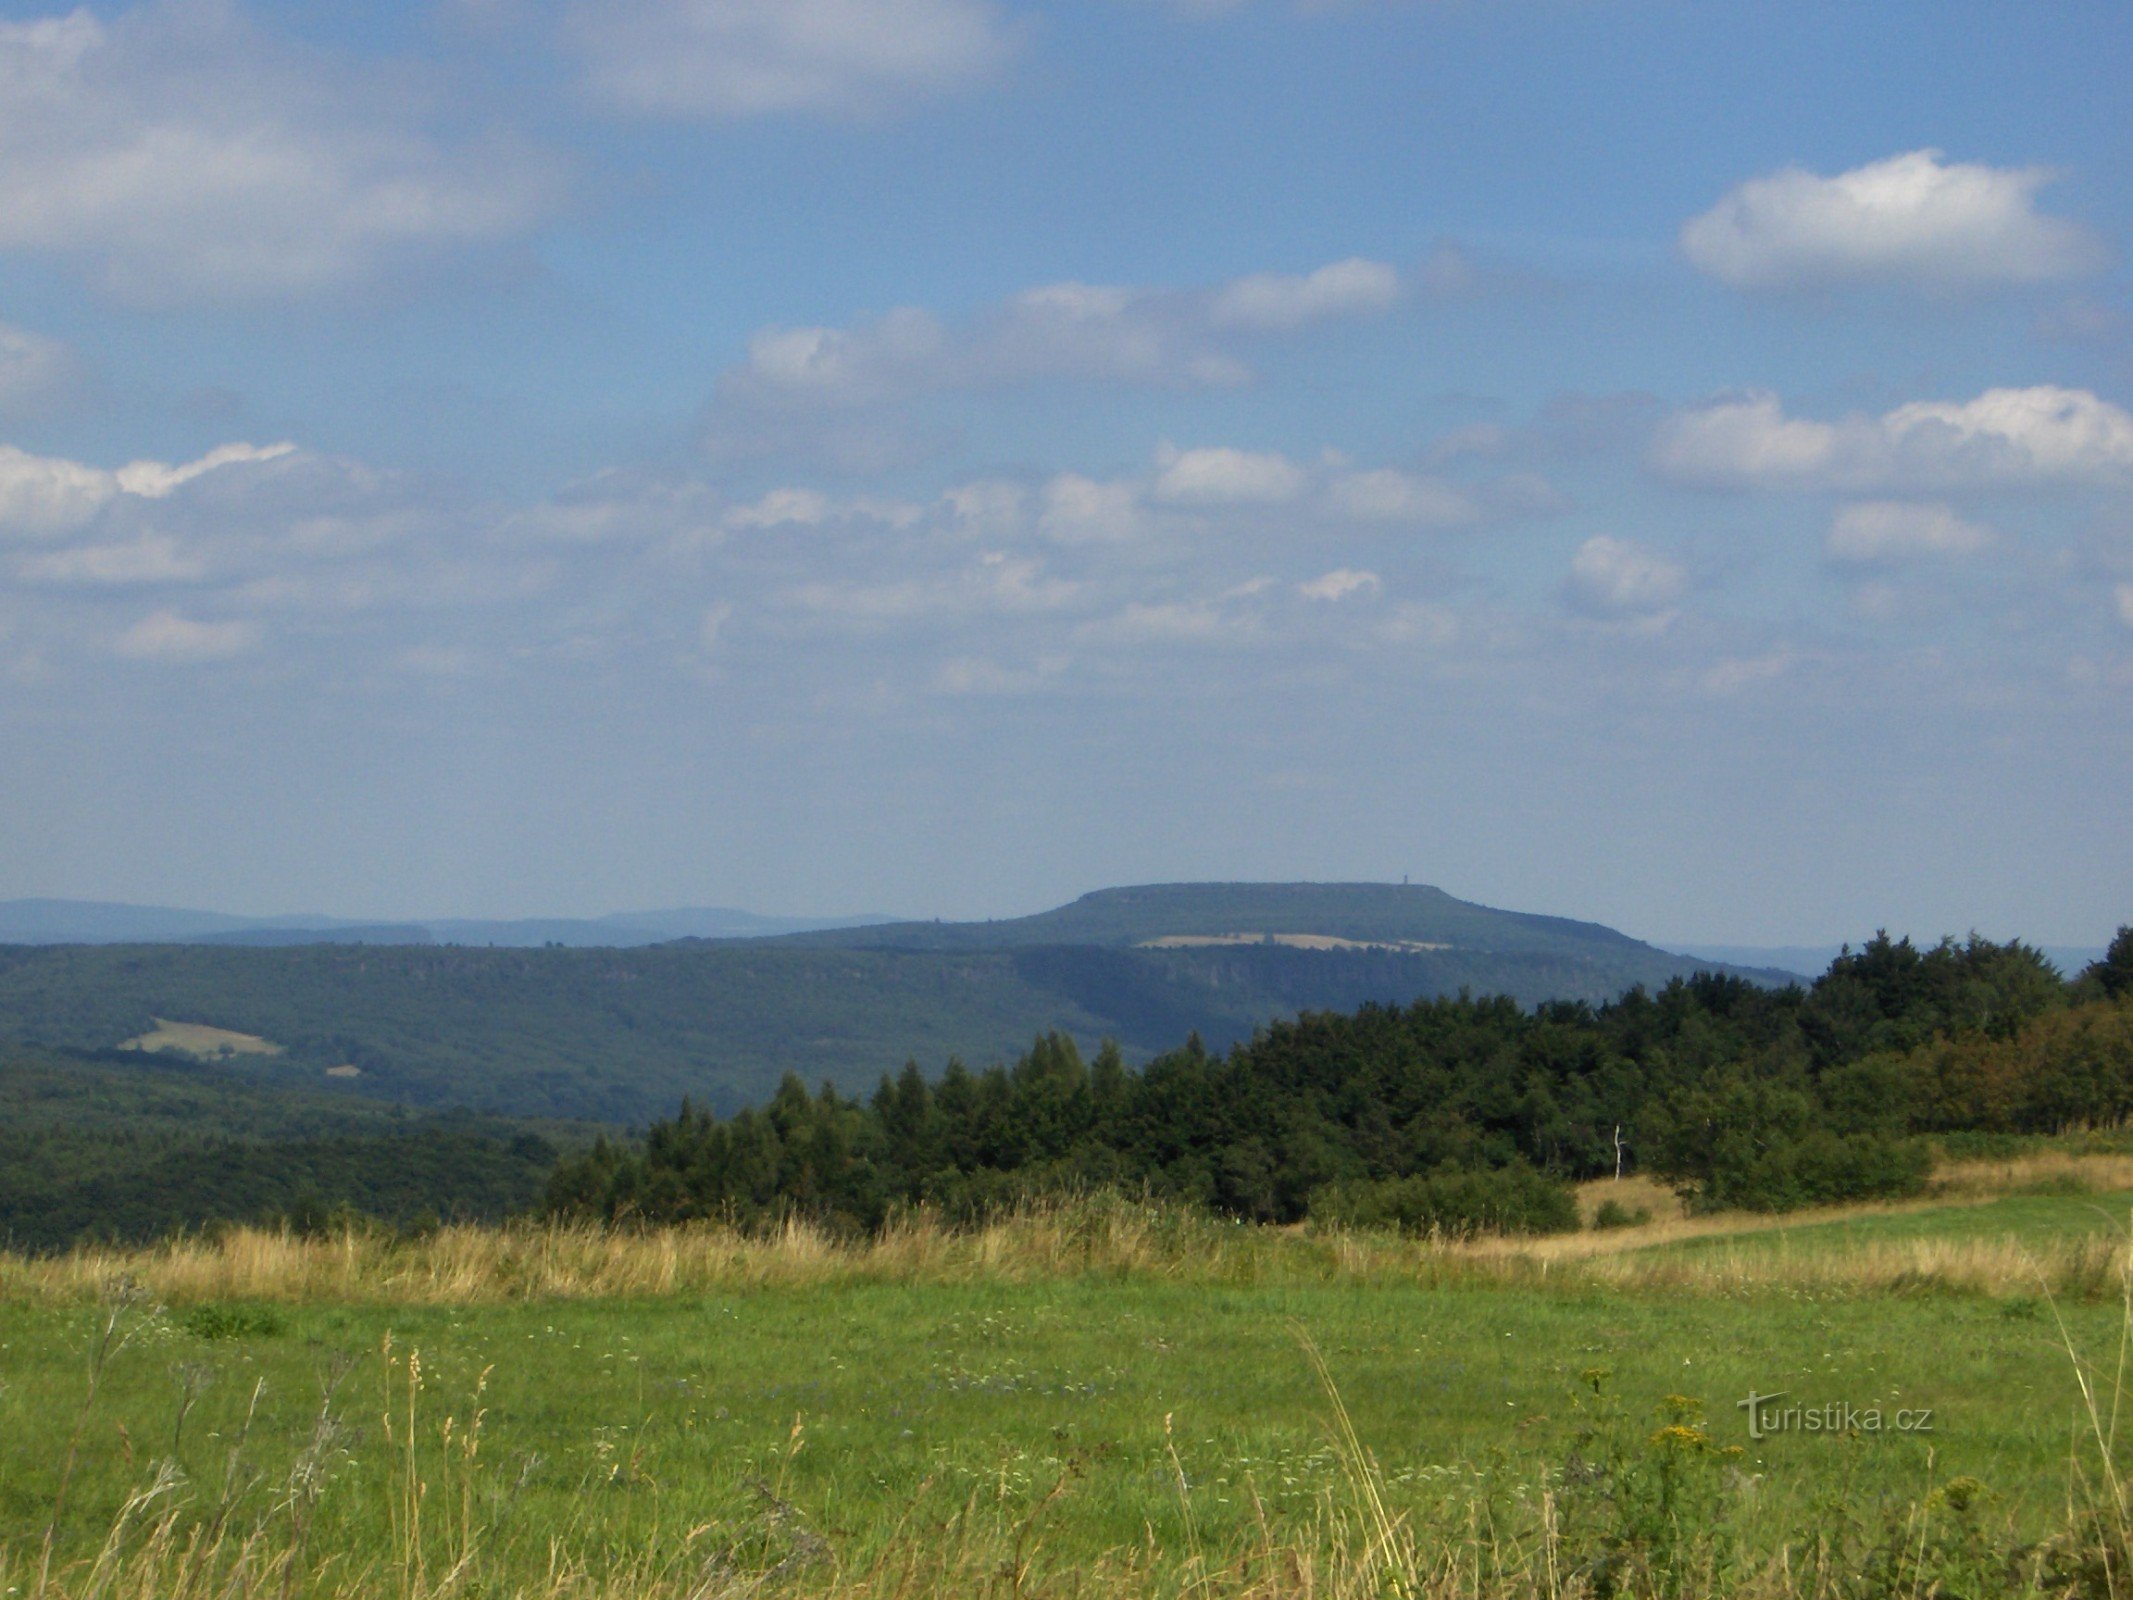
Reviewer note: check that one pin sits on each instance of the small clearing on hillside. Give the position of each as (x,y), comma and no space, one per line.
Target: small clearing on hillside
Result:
(198,1039)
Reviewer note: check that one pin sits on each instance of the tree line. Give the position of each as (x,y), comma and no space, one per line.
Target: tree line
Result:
(1449,1114)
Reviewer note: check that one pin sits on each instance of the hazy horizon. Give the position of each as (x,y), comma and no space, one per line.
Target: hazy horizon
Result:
(1731,951)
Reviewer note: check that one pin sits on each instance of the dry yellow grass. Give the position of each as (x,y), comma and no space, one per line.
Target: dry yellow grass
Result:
(574,1261)
(1105,1237)
(198,1039)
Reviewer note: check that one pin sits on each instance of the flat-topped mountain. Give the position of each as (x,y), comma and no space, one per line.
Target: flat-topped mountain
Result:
(1388,915)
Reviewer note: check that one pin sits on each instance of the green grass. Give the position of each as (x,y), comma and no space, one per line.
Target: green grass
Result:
(606,1422)
(2035,1220)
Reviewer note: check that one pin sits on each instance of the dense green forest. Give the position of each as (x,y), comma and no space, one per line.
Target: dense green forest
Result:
(620,1036)
(1452,1113)
(131,1147)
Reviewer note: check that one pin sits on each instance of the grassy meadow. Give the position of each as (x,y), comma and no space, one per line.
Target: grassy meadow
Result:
(1099,1399)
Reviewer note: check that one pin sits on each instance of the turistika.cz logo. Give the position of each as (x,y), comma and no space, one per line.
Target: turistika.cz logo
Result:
(1767,1416)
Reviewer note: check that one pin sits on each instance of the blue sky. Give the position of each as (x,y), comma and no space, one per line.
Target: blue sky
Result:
(1664,463)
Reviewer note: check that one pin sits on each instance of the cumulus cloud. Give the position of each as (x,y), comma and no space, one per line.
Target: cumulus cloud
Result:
(2037,435)
(176,153)
(1279,301)
(154,480)
(1062,330)
(994,583)
(744,58)
(1881,532)
(1185,491)
(2124,596)
(1217,475)
(783,508)
(1340,584)
(1076,332)
(1912,218)
(1079,509)
(167,636)
(43,497)
(1617,579)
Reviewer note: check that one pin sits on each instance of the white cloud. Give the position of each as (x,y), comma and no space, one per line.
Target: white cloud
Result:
(176,153)
(2124,595)
(1384,494)
(1219,475)
(1748,441)
(1872,532)
(154,480)
(1073,508)
(848,366)
(167,636)
(1173,622)
(995,583)
(1340,584)
(42,497)
(1080,510)
(2038,434)
(783,508)
(1101,331)
(1616,578)
(1355,287)
(1429,624)
(153,558)
(743,58)
(1911,218)
(1078,332)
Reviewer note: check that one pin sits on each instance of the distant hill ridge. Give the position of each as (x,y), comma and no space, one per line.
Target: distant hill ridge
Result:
(1367,913)
(112,922)
(622,1033)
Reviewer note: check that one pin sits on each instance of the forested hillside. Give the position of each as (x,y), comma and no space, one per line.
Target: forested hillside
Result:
(1387,913)
(1451,1113)
(132,1146)
(621,1035)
